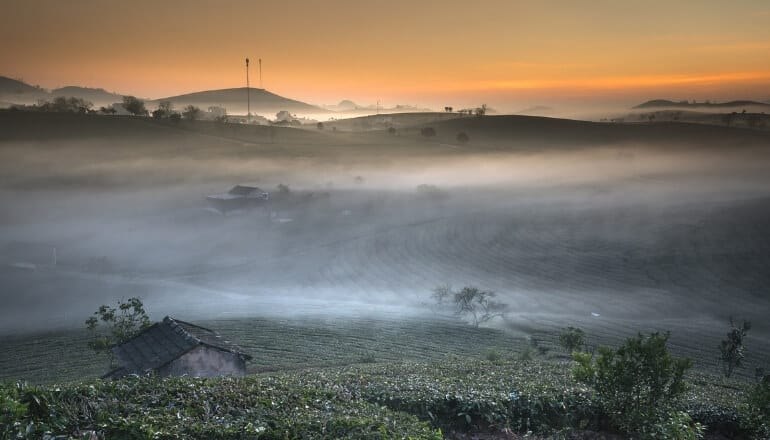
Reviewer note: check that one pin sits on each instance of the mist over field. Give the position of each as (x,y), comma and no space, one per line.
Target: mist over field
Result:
(642,231)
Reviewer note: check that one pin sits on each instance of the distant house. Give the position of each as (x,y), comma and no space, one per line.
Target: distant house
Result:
(216,112)
(177,348)
(239,197)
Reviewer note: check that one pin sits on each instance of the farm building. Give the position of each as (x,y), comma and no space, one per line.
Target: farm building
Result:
(239,197)
(177,348)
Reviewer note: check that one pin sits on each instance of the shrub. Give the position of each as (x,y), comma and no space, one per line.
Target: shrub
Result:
(758,409)
(527,353)
(493,356)
(676,425)
(572,339)
(636,384)
(732,350)
(12,411)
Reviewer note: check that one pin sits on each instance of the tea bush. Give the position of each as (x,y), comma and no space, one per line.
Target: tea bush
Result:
(637,385)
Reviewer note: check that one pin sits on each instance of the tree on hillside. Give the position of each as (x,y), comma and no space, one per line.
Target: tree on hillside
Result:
(572,339)
(481,111)
(134,105)
(732,350)
(191,113)
(111,326)
(472,303)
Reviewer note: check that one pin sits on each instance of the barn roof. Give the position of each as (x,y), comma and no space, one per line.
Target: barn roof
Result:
(164,341)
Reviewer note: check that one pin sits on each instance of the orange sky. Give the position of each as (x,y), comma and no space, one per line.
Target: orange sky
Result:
(506,53)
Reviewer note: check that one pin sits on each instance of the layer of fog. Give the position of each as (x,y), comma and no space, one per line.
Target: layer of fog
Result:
(374,235)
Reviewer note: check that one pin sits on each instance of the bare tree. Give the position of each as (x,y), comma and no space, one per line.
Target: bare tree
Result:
(478,306)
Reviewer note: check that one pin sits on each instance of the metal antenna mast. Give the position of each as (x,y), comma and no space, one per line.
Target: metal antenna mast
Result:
(260,74)
(248,94)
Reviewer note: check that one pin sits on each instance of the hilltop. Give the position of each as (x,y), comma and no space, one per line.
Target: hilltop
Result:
(234,100)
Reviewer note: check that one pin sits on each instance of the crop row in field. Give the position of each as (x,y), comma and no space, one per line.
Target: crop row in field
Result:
(275,344)
(395,400)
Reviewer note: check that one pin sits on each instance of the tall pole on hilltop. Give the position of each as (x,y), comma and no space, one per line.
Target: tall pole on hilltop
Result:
(248,94)
(260,74)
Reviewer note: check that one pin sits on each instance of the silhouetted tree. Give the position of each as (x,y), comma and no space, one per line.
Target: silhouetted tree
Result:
(478,305)
(191,113)
(481,111)
(320,125)
(134,105)
(65,105)
(470,303)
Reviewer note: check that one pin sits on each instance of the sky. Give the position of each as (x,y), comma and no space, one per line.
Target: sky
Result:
(505,53)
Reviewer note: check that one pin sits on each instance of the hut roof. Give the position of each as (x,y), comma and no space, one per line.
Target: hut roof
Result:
(164,341)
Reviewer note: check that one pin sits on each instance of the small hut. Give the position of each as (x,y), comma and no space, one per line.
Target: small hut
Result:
(177,348)
(239,197)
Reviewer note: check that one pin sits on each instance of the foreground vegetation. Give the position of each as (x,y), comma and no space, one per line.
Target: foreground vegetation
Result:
(395,400)
(378,379)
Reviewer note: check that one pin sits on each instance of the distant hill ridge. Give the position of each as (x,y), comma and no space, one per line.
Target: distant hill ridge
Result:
(234,100)
(658,103)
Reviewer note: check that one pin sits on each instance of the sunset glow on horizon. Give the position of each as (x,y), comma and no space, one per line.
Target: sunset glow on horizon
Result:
(505,53)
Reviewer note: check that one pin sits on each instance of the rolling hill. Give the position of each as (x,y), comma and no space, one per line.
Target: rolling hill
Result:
(15,91)
(234,100)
